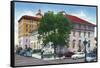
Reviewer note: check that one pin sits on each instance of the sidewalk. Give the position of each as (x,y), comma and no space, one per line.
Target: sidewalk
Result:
(38,56)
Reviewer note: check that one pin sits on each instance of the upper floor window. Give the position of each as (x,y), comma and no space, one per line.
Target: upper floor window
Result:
(87,27)
(84,26)
(26,40)
(31,21)
(75,25)
(79,25)
(26,25)
(92,27)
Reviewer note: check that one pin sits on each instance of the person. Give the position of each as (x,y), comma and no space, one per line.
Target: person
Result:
(42,54)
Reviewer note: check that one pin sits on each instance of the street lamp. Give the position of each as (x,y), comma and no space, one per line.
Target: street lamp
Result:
(85,42)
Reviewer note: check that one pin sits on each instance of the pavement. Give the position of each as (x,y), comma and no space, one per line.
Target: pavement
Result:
(38,56)
(24,61)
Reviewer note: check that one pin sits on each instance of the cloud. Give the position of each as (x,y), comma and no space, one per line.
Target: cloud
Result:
(30,13)
(84,16)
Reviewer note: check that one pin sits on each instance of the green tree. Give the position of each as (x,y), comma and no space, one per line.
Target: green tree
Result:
(54,28)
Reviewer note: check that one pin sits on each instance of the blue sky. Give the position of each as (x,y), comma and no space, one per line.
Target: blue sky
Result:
(32,8)
(84,12)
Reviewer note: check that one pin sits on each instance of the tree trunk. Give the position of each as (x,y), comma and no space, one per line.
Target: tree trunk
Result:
(54,51)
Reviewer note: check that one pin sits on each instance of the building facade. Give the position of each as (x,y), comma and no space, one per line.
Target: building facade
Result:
(26,25)
(82,31)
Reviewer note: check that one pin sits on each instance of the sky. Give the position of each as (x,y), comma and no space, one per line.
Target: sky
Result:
(22,8)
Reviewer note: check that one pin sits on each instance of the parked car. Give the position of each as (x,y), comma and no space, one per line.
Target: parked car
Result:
(69,54)
(91,57)
(78,55)
(25,53)
(22,52)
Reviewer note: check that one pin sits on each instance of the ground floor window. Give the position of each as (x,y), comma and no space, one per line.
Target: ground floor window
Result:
(74,43)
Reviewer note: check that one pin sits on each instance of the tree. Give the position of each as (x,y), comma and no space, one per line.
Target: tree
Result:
(54,28)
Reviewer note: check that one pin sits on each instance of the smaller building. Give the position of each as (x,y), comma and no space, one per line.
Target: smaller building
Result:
(34,42)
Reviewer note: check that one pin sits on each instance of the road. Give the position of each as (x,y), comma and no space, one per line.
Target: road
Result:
(24,61)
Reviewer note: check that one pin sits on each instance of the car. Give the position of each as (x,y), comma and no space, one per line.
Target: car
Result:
(25,53)
(69,54)
(90,57)
(78,55)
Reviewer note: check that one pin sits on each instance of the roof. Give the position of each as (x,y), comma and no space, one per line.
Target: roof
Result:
(74,19)
(78,20)
(29,18)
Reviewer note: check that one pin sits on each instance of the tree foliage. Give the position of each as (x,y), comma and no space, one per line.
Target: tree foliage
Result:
(54,28)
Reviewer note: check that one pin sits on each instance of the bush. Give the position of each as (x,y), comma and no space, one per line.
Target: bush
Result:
(37,51)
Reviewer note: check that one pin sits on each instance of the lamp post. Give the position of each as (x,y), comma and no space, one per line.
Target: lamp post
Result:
(85,42)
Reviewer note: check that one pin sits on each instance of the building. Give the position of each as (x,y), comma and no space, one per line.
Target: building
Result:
(83,30)
(34,42)
(26,25)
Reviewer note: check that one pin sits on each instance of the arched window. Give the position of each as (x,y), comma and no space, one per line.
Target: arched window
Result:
(79,45)
(79,33)
(74,43)
(34,45)
(88,34)
(74,33)
(88,43)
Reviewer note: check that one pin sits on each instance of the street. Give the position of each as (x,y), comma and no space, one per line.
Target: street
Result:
(24,61)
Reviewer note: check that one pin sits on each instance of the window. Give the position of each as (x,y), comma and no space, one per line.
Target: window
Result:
(30,26)
(79,26)
(26,27)
(88,43)
(73,43)
(25,46)
(31,21)
(79,42)
(84,34)
(92,28)
(26,40)
(84,26)
(79,33)
(79,45)
(88,34)
(34,45)
(74,33)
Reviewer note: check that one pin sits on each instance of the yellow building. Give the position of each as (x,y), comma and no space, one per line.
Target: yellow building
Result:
(26,25)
